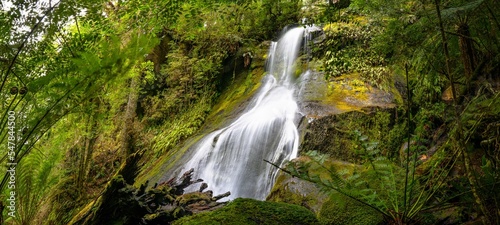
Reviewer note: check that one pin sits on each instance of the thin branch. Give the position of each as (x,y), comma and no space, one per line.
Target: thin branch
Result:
(459,133)
(461,35)
(492,15)
(408,142)
(66,43)
(78,27)
(32,31)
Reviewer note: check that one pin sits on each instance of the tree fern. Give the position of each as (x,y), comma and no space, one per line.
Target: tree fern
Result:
(378,184)
(36,176)
(465,8)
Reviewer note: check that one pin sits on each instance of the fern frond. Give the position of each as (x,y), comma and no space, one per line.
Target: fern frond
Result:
(466,8)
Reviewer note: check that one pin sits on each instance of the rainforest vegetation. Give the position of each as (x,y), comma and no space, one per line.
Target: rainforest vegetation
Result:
(96,94)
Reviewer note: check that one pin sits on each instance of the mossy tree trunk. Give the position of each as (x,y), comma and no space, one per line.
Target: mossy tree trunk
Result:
(159,54)
(89,144)
(466,50)
(127,139)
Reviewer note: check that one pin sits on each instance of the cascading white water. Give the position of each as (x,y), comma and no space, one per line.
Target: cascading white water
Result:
(232,158)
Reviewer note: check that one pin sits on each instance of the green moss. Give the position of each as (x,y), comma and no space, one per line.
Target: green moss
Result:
(154,172)
(193,197)
(282,193)
(335,208)
(398,99)
(315,169)
(249,211)
(241,90)
(347,92)
(175,137)
(342,210)
(338,26)
(333,135)
(293,190)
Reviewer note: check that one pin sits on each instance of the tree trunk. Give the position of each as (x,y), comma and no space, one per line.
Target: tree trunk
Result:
(85,154)
(466,50)
(128,120)
(89,145)
(459,141)
(159,54)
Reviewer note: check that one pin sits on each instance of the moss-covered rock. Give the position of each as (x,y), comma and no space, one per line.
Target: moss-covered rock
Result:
(364,182)
(293,190)
(249,211)
(330,209)
(334,135)
(320,97)
(342,210)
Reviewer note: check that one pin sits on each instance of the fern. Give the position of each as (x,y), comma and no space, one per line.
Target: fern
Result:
(183,125)
(378,184)
(465,8)
(36,177)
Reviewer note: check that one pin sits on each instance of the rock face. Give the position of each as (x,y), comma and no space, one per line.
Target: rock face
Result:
(319,98)
(332,111)
(330,209)
(334,134)
(298,192)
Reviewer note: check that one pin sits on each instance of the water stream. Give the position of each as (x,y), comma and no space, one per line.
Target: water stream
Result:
(232,158)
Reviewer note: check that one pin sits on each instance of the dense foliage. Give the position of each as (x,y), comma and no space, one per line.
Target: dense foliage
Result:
(92,82)
(446,52)
(86,84)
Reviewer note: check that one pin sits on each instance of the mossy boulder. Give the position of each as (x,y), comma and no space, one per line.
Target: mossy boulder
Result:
(249,211)
(296,191)
(342,210)
(337,208)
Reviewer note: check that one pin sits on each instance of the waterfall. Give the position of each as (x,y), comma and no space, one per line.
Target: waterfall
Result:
(232,158)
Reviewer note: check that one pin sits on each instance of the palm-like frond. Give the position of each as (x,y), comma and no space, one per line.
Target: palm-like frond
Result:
(35,178)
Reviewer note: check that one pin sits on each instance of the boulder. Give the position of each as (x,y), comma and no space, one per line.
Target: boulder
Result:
(342,210)
(250,212)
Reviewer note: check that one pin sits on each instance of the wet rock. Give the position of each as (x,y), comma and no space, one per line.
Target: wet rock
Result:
(319,97)
(296,191)
(333,134)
